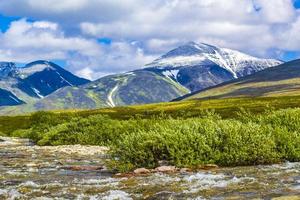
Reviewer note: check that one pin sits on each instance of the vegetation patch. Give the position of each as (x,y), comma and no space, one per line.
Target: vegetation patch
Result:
(186,141)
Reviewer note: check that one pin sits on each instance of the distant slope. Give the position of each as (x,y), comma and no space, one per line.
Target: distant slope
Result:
(34,81)
(111,91)
(282,80)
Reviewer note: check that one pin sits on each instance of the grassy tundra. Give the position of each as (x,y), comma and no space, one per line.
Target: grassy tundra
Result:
(228,132)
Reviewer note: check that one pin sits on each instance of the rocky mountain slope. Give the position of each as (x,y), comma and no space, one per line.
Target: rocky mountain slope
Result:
(281,80)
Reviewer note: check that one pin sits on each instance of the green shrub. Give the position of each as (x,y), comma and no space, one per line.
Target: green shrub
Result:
(247,139)
(199,141)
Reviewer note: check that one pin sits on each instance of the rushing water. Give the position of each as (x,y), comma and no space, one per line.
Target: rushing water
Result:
(30,172)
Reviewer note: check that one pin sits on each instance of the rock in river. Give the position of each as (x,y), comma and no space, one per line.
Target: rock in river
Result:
(141,171)
(166,169)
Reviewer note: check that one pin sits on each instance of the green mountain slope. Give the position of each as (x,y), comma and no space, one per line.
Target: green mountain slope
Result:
(282,80)
(109,91)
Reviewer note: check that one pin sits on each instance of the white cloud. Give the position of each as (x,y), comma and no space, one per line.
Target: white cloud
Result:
(27,41)
(85,72)
(253,26)
(276,11)
(258,27)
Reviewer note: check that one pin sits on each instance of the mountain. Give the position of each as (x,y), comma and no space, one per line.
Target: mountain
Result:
(33,81)
(281,80)
(137,87)
(185,69)
(198,66)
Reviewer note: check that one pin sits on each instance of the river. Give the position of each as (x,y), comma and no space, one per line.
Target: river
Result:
(77,172)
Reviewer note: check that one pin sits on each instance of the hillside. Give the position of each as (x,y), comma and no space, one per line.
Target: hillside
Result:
(110,91)
(282,80)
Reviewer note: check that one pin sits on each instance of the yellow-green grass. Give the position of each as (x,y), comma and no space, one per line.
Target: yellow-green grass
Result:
(290,87)
(227,108)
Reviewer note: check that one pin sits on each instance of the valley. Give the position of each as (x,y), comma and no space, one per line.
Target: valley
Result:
(149,100)
(231,124)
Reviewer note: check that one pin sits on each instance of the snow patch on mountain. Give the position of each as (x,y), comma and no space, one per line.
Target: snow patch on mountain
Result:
(37,92)
(110,101)
(171,73)
(63,79)
(29,70)
(179,61)
(13,98)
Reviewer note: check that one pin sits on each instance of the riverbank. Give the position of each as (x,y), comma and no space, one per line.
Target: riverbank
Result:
(267,138)
(33,172)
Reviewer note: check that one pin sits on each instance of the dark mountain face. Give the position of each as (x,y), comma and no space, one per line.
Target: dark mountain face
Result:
(281,80)
(35,80)
(47,77)
(9,99)
(7,69)
(196,77)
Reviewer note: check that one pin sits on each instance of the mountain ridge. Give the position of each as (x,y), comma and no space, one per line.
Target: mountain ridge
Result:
(183,70)
(283,79)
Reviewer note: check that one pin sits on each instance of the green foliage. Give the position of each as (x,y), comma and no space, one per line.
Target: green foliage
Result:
(198,141)
(246,140)
(181,134)
(227,108)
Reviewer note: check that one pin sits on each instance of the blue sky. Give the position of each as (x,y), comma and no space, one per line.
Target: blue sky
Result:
(297,3)
(93,38)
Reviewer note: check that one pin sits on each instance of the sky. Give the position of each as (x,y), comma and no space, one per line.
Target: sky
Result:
(94,38)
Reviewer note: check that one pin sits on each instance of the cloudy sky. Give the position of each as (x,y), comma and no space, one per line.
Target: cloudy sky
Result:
(93,38)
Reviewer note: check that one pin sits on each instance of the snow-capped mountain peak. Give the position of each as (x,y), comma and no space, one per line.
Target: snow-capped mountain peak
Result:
(189,49)
(193,54)
(36,66)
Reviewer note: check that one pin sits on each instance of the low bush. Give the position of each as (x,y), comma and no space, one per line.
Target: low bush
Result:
(245,140)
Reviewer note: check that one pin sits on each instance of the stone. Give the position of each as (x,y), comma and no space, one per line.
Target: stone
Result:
(124,175)
(32,165)
(208,166)
(166,169)
(185,170)
(83,168)
(287,198)
(141,171)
